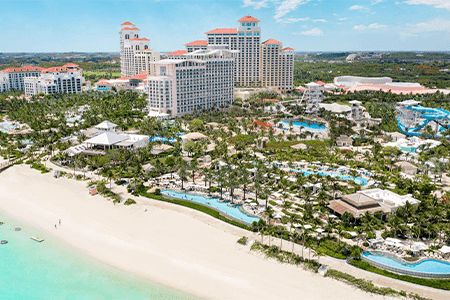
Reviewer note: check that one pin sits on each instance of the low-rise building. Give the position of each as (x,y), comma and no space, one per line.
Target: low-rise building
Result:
(67,79)
(344,141)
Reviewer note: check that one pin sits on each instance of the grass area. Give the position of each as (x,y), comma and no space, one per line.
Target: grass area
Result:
(198,207)
(102,73)
(442,284)
(280,145)
(40,167)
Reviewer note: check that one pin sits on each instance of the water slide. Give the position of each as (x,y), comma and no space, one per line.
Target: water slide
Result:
(436,115)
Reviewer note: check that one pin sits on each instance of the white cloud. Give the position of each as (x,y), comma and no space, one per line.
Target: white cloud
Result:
(356,7)
(255,4)
(312,32)
(342,19)
(375,2)
(430,26)
(435,3)
(286,7)
(320,20)
(371,26)
(295,20)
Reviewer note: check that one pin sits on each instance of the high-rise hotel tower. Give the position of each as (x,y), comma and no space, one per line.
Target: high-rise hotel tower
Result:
(135,56)
(257,65)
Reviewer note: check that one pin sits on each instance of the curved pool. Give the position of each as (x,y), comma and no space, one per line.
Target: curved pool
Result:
(358,180)
(232,211)
(424,268)
(306,125)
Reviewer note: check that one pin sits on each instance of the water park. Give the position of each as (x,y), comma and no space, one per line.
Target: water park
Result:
(413,118)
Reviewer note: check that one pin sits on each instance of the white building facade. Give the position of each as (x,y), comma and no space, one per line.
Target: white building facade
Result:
(67,79)
(277,66)
(201,80)
(13,78)
(135,55)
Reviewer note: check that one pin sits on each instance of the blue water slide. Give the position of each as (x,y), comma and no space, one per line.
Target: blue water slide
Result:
(429,114)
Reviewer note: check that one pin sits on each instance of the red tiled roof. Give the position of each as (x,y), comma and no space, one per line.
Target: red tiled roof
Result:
(140,76)
(177,53)
(222,30)
(289,48)
(275,100)
(70,65)
(260,124)
(122,78)
(127,24)
(272,42)
(139,39)
(130,28)
(248,19)
(320,82)
(23,69)
(197,43)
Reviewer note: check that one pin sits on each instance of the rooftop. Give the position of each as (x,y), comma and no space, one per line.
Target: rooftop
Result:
(177,53)
(197,43)
(248,19)
(272,42)
(140,39)
(127,24)
(222,30)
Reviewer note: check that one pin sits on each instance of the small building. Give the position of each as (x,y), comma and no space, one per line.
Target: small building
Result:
(396,136)
(157,149)
(407,168)
(193,136)
(344,141)
(356,205)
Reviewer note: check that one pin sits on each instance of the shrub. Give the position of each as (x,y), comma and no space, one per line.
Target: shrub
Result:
(243,240)
(157,192)
(366,244)
(129,202)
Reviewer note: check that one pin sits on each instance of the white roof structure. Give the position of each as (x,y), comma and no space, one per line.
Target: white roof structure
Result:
(445,249)
(408,103)
(106,125)
(336,108)
(312,85)
(193,136)
(389,199)
(156,114)
(108,138)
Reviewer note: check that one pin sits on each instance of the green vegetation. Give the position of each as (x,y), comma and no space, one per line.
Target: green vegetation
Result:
(129,202)
(243,240)
(40,167)
(443,284)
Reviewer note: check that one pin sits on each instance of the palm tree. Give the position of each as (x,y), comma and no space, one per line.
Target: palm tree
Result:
(183,173)
(244,179)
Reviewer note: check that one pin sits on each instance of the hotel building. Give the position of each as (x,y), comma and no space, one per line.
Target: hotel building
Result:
(257,65)
(135,55)
(13,78)
(196,81)
(66,79)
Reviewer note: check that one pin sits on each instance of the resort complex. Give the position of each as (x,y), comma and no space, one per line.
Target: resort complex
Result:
(232,168)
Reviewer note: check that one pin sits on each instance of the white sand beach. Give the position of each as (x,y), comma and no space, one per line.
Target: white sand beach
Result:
(172,245)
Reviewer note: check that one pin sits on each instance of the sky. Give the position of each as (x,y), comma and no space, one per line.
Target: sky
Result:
(305,25)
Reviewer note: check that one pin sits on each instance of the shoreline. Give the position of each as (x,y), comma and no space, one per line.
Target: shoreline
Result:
(170,245)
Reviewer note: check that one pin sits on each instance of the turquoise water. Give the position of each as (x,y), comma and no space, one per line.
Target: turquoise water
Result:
(304,124)
(358,180)
(4,127)
(73,120)
(213,202)
(425,266)
(408,149)
(53,270)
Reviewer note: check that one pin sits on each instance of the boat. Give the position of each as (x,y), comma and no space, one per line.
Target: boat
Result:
(37,239)
(3,242)
(17,229)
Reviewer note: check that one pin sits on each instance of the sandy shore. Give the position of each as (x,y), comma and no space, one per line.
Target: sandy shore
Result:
(169,244)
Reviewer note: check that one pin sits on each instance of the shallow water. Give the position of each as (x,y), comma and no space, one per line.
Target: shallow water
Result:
(54,270)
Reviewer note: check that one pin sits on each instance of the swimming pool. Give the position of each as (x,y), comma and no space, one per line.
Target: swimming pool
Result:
(408,149)
(73,120)
(5,127)
(234,212)
(358,180)
(306,125)
(424,268)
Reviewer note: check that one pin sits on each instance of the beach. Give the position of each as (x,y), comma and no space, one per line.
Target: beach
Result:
(171,245)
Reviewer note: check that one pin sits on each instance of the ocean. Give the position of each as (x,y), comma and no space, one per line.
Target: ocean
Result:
(54,270)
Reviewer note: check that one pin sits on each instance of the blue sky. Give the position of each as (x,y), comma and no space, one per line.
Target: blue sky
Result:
(306,25)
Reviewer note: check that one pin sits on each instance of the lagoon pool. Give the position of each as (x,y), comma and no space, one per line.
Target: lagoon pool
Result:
(235,212)
(429,266)
(408,149)
(358,180)
(306,125)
